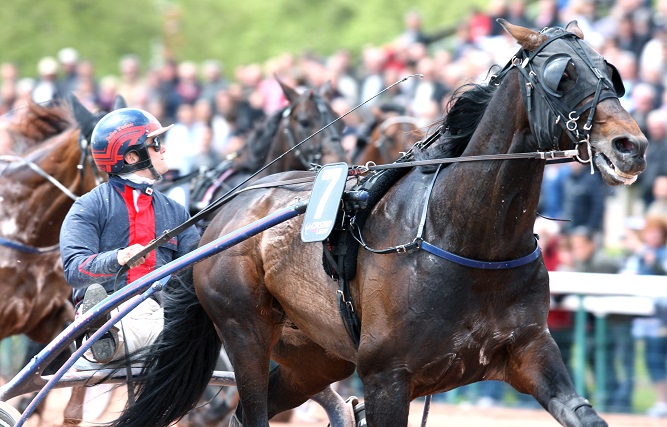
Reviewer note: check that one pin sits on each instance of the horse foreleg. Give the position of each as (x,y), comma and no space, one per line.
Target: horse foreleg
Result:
(537,368)
(386,396)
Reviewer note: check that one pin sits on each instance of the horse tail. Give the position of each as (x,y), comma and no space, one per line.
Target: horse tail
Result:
(178,366)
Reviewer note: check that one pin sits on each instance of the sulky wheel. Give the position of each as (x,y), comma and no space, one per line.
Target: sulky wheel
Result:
(8,415)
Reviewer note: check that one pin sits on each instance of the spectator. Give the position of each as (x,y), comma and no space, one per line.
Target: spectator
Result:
(46,88)
(131,82)
(213,80)
(9,75)
(188,87)
(656,154)
(590,257)
(69,61)
(414,32)
(166,89)
(658,207)
(553,190)
(184,141)
(584,199)
(651,258)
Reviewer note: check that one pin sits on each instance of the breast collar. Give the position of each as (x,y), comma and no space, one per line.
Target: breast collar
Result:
(420,243)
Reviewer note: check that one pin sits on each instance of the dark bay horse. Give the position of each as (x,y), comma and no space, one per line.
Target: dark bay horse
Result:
(305,115)
(465,301)
(37,189)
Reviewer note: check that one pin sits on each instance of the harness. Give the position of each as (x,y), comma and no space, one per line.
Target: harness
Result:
(554,111)
(549,115)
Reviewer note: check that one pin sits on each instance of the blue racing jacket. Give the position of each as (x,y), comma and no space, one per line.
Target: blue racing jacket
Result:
(98,225)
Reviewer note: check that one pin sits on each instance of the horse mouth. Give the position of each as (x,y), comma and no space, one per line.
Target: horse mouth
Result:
(611,174)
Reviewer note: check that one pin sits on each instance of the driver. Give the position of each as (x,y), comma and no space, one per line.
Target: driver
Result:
(106,227)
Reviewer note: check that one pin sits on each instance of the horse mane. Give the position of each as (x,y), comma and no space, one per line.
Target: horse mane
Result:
(465,110)
(40,123)
(259,143)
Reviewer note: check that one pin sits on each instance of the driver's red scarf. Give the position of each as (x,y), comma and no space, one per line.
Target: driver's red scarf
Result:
(142,229)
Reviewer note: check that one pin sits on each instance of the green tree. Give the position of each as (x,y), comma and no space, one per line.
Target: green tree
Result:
(236,32)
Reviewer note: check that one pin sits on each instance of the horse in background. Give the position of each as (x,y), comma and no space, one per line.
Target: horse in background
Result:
(448,287)
(389,140)
(306,114)
(390,134)
(37,190)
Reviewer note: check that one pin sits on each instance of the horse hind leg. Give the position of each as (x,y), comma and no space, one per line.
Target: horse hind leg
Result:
(538,369)
(305,369)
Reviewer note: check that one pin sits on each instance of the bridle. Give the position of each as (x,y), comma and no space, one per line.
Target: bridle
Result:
(85,159)
(534,75)
(313,155)
(540,71)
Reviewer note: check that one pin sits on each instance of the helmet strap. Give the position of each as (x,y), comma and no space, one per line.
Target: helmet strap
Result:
(143,163)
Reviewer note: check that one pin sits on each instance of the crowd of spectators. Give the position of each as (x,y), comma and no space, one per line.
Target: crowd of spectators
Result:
(213,110)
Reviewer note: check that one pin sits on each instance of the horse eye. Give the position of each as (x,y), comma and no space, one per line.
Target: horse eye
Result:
(305,123)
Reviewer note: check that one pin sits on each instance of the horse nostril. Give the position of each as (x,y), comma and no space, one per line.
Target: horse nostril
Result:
(624,145)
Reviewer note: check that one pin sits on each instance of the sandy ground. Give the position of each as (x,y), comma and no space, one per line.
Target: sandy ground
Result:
(441,415)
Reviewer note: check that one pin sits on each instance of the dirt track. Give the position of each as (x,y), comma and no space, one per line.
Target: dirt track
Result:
(441,415)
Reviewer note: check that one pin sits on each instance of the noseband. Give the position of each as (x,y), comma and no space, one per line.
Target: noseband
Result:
(315,153)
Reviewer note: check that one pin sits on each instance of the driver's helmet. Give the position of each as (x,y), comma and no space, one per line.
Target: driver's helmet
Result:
(120,132)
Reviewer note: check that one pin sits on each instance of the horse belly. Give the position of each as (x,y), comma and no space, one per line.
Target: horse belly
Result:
(295,276)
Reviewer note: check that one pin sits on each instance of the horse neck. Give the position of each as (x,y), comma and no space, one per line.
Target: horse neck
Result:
(34,212)
(289,162)
(489,207)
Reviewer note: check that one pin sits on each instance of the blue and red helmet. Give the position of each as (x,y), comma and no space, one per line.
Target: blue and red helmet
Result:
(120,132)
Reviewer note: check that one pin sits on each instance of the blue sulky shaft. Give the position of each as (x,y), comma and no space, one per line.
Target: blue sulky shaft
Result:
(141,289)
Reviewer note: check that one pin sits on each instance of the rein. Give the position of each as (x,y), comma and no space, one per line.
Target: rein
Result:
(41,172)
(83,145)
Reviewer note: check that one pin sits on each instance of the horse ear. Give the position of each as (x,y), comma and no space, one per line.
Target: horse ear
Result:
(327,91)
(573,27)
(82,115)
(119,102)
(527,38)
(290,93)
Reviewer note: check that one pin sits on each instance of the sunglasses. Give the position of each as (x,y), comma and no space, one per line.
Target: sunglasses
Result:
(157,144)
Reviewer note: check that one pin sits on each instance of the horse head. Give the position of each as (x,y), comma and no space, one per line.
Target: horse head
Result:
(571,95)
(309,117)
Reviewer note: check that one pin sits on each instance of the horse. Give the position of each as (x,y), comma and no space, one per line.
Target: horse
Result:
(464,301)
(305,114)
(391,136)
(37,189)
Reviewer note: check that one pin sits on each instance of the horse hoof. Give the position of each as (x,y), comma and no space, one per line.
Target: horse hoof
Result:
(8,415)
